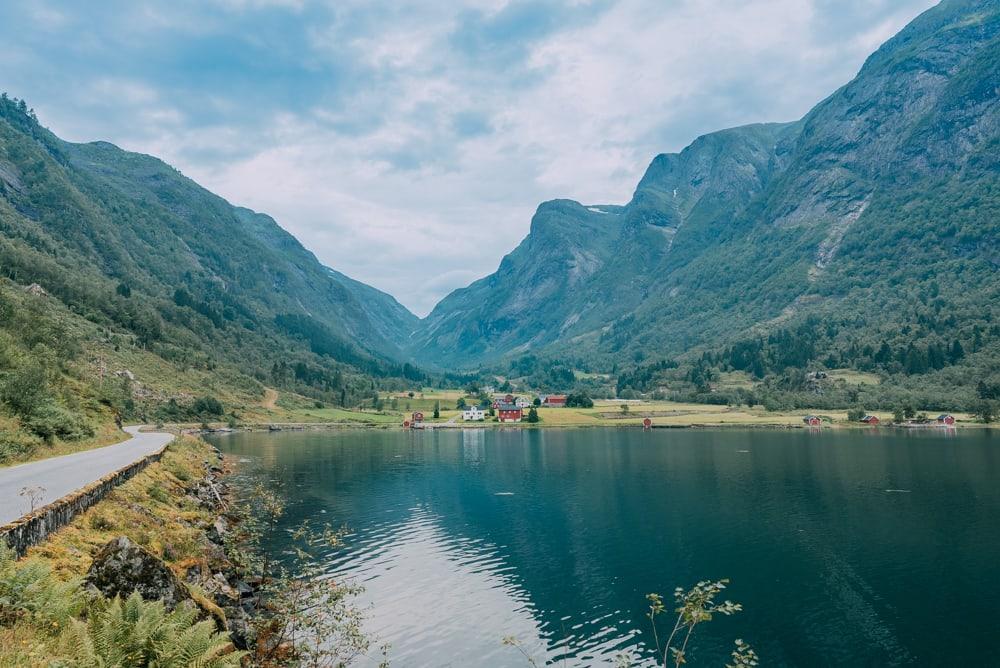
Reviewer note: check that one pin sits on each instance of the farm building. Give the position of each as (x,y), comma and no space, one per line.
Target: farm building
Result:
(871,420)
(473,414)
(946,420)
(509,413)
(812,420)
(506,399)
(554,401)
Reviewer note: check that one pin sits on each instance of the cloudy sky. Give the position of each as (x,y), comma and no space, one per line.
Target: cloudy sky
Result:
(408,143)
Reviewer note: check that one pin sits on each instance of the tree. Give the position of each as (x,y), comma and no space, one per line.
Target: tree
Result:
(437,409)
(855,414)
(899,414)
(460,404)
(624,408)
(957,352)
(532,415)
(984,410)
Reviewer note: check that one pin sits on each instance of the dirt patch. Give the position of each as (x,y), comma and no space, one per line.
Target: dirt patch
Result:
(270,398)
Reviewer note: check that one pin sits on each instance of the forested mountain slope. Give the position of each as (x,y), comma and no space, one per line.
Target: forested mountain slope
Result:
(130,244)
(875,219)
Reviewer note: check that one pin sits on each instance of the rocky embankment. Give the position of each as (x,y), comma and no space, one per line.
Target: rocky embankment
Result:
(211,582)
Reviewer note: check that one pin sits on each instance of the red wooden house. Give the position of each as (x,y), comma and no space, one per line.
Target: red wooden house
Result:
(499,401)
(509,413)
(812,420)
(555,401)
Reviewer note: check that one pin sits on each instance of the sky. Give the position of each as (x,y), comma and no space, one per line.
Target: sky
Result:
(407,144)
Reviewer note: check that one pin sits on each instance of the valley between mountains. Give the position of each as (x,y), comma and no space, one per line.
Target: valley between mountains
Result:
(847,260)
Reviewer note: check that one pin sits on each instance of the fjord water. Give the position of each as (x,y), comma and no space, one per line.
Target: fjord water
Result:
(855,547)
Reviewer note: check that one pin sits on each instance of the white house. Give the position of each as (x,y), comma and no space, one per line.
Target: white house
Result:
(522,402)
(473,414)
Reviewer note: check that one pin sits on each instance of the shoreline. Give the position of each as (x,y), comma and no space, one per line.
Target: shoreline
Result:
(278,427)
(175,517)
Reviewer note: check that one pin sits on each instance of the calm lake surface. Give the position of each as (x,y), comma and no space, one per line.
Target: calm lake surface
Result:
(863,548)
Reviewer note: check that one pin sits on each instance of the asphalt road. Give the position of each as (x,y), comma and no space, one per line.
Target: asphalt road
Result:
(56,477)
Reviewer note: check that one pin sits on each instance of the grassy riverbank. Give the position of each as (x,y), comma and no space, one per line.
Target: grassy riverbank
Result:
(604,413)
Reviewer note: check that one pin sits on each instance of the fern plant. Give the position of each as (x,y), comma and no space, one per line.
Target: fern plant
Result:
(134,632)
(29,590)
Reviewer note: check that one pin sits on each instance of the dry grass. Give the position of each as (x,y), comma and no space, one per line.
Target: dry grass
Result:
(852,377)
(151,509)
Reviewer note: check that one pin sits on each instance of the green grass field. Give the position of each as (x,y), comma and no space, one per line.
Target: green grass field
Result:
(604,413)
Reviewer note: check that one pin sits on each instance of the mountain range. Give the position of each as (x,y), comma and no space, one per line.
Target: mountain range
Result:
(877,215)
(863,235)
(128,242)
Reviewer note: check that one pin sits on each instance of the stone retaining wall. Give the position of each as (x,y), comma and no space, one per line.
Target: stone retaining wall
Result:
(34,528)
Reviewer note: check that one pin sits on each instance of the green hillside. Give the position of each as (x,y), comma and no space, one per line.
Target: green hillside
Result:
(873,220)
(126,248)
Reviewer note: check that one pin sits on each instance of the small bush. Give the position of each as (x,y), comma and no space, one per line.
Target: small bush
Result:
(157,493)
(49,420)
(179,472)
(207,406)
(15,444)
(99,522)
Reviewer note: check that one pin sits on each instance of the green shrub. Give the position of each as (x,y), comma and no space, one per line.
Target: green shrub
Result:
(179,472)
(157,493)
(49,420)
(14,444)
(207,406)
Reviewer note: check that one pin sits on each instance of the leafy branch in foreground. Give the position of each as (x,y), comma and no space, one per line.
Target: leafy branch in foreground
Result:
(694,606)
(305,616)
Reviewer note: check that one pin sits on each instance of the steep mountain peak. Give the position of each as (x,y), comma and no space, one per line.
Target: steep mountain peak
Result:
(758,224)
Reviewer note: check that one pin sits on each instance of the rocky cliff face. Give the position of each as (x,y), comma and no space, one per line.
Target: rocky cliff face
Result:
(766,223)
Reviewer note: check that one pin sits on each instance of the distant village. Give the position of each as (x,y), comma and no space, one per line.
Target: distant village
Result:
(507,408)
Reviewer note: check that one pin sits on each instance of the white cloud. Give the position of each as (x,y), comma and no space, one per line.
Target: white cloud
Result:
(407,144)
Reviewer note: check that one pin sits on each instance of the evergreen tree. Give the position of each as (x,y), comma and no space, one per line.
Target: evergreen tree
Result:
(957,352)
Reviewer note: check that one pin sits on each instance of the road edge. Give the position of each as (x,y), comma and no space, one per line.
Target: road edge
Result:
(36,526)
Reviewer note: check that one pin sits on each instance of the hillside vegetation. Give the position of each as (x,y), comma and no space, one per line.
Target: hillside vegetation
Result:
(863,236)
(125,288)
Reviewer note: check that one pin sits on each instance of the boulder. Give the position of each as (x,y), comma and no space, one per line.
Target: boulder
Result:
(122,567)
